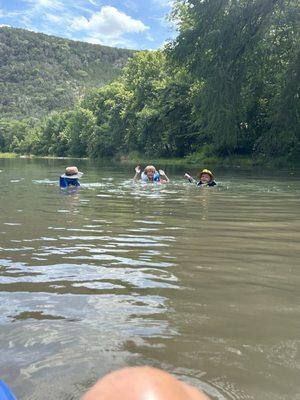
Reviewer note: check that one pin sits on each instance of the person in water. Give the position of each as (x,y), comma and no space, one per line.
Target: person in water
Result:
(70,178)
(150,174)
(206,178)
(140,383)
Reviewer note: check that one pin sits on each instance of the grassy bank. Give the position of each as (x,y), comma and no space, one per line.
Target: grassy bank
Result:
(15,155)
(196,159)
(193,160)
(202,160)
(9,155)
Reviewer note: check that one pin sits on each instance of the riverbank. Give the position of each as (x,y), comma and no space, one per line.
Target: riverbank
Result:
(15,155)
(9,155)
(196,159)
(142,159)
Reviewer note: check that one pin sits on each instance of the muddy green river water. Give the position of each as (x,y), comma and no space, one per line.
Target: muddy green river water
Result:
(204,283)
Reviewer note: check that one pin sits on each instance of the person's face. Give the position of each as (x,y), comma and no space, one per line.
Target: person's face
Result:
(205,178)
(150,173)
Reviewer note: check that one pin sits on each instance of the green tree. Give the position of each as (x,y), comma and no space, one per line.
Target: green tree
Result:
(78,131)
(47,138)
(107,105)
(12,133)
(219,42)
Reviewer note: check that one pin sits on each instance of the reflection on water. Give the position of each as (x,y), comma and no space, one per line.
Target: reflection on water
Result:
(201,282)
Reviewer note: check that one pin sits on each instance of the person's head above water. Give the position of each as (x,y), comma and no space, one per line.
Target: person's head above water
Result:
(206,176)
(150,171)
(141,383)
(72,173)
(150,174)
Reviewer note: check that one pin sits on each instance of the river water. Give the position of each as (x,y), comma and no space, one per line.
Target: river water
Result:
(203,283)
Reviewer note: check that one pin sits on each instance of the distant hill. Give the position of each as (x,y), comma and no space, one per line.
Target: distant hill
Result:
(41,73)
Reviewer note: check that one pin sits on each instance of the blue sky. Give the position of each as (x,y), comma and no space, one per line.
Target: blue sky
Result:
(135,24)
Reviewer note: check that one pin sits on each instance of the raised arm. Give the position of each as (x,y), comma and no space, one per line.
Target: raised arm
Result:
(163,174)
(190,178)
(137,173)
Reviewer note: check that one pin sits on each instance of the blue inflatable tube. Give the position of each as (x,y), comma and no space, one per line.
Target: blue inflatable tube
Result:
(5,392)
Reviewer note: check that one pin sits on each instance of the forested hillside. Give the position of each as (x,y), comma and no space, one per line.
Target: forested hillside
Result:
(41,73)
(228,85)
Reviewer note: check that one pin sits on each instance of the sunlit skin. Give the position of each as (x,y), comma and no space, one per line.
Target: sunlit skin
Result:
(150,171)
(205,178)
(142,383)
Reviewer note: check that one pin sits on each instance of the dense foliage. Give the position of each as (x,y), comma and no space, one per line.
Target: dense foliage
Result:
(228,84)
(41,73)
(247,55)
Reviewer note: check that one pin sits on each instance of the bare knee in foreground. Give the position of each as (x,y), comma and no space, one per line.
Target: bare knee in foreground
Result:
(142,383)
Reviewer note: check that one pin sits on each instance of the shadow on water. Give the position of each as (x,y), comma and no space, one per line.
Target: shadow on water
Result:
(201,283)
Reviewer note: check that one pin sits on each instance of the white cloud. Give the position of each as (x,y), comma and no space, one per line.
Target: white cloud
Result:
(94,3)
(48,4)
(56,19)
(109,22)
(84,20)
(25,21)
(111,42)
(10,14)
(93,40)
(163,3)
(149,37)
(5,26)
(82,8)
(131,5)
(42,10)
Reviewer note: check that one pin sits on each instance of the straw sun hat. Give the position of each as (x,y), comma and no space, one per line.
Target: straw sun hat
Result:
(72,173)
